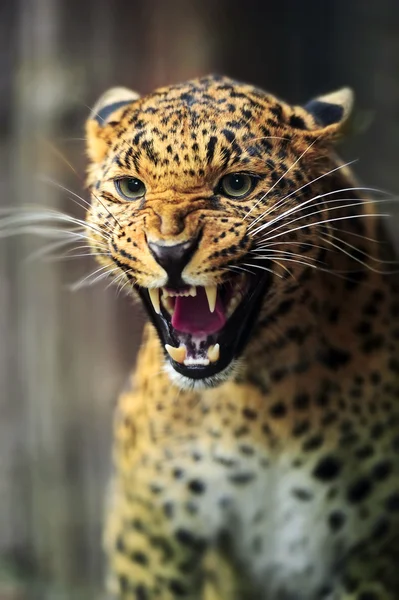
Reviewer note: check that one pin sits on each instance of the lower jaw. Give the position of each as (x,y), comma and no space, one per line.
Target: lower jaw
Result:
(187,382)
(232,339)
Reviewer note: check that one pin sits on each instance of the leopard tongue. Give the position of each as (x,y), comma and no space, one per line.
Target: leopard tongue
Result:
(192,314)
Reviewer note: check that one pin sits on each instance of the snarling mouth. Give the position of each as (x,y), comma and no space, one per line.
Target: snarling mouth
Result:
(203,329)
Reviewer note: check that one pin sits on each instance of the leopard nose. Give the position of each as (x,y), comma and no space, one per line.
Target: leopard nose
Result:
(173,258)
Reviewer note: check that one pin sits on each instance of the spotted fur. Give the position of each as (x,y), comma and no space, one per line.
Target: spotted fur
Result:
(278,479)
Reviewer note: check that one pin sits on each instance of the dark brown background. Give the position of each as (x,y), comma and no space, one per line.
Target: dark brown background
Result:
(64,356)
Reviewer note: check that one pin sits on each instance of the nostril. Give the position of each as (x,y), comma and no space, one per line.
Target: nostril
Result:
(167,253)
(174,258)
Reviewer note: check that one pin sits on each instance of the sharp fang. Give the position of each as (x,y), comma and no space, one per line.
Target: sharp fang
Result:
(193,291)
(178,354)
(211,293)
(214,353)
(154,297)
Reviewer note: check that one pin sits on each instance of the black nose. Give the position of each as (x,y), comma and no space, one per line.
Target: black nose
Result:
(173,259)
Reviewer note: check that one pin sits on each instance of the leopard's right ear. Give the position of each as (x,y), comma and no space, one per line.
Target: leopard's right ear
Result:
(104,115)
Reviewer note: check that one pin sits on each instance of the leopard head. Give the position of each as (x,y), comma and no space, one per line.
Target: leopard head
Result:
(198,191)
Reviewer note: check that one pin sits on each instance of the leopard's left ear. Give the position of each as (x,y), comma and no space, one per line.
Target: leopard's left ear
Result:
(104,115)
(331,113)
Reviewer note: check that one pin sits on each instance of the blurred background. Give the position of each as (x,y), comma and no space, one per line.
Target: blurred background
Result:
(64,356)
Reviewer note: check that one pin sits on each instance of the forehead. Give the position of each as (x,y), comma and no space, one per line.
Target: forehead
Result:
(198,128)
(206,100)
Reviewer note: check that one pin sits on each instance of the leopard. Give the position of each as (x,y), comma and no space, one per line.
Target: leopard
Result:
(256,445)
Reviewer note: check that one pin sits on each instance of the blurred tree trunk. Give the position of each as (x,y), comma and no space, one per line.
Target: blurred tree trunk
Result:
(67,354)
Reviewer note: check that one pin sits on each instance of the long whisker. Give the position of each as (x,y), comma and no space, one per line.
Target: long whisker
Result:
(60,155)
(122,287)
(277,205)
(360,261)
(356,249)
(346,217)
(79,200)
(286,269)
(29,217)
(294,260)
(358,235)
(237,268)
(272,252)
(278,180)
(298,207)
(64,257)
(122,284)
(263,269)
(87,280)
(258,248)
(319,212)
(286,256)
(116,280)
(62,187)
(48,248)
(48,181)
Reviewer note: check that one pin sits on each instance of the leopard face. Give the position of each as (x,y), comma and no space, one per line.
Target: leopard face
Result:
(209,200)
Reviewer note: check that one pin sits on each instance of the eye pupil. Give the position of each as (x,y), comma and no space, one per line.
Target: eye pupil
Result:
(133,185)
(237,182)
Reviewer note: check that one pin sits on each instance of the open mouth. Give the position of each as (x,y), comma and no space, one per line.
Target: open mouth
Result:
(203,329)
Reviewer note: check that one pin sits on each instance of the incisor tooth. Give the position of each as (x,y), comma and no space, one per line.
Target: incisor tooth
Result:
(214,353)
(154,297)
(211,293)
(178,354)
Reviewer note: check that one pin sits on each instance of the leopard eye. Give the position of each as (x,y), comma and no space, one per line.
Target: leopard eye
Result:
(236,185)
(130,188)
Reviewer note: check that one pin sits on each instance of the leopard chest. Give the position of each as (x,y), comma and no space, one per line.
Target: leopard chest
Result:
(288,523)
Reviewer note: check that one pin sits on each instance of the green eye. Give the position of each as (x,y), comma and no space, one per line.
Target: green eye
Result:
(130,188)
(236,185)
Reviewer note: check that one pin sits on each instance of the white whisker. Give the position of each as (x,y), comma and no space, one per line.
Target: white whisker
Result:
(298,207)
(263,269)
(362,262)
(280,253)
(326,221)
(86,202)
(274,207)
(356,249)
(278,244)
(20,222)
(358,235)
(87,280)
(237,268)
(42,252)
(320,211)
(63,257)
(294,260)
(278,180)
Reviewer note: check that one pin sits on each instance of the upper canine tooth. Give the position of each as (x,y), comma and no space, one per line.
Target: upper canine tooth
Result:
(178,354)
(193,290)
(211,293)
(214,353)
(154,297)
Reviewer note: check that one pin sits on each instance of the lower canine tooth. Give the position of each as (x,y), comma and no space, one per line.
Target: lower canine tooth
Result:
(211,293)
(178,354)
(154,297)
(214,353)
